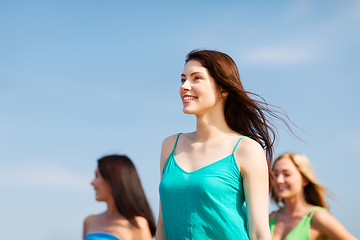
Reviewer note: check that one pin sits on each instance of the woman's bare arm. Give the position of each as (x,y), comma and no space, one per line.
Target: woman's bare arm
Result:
(166,149)
(87,222)
(253,167)
(144,232)
(329,226)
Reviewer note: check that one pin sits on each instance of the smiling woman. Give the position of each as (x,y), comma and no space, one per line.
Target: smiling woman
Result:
(196,78)
(215,180)
(303,214)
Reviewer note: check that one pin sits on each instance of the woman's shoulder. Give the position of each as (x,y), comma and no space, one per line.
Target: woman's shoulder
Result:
(325,223)
(170,140)
(142,222)
(173,137)
(320,215)
(144,229)
(166,149)
(89,222)
(249,145)
(249,149)
(89,219)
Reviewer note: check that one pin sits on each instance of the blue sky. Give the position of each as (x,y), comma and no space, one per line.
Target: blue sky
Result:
(81,79)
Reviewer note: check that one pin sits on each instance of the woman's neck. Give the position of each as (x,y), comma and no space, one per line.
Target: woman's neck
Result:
(295,206)
(208,127)
(111,211)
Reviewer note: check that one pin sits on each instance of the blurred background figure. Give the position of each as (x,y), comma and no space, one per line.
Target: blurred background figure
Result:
(128,214)
(302,210)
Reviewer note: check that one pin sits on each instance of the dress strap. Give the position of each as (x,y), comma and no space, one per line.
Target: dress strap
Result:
(177,139)
(313,211)
(236,145)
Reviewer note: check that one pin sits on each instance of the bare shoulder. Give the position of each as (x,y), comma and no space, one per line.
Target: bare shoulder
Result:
(321,218)
(324,222)
(166,148)
(249,148)
(144,230)
(321,215)
(89,220)
(169,142)
(249,154)
(143,223)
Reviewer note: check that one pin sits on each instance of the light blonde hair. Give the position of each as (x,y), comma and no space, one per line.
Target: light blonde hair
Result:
(314,193)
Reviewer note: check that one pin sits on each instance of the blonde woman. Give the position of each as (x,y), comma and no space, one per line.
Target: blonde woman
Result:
(303,213)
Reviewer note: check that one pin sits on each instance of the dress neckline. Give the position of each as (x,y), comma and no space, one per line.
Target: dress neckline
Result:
(201,168)
(103,234)
(298,224)
(172,155)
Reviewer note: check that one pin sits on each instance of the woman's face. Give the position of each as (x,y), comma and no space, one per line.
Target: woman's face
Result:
(101,187)
(291,182)
(198,91)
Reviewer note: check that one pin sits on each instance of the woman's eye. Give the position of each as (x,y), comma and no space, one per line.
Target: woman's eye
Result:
(183,80)
(197,78)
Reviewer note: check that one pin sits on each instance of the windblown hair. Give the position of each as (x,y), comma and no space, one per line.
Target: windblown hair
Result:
(247,116)
(314,193)
(130,200)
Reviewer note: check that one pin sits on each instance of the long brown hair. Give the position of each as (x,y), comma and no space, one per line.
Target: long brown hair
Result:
(243,114)
(130,200)
(314,193)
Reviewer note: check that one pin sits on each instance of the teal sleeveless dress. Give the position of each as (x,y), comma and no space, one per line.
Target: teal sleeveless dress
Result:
(208,203)
(100,236)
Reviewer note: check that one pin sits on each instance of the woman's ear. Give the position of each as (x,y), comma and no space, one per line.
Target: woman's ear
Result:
(304,181)
(223,94)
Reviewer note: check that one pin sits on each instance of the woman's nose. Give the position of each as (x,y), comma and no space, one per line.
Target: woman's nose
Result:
(280,178)
(186,85)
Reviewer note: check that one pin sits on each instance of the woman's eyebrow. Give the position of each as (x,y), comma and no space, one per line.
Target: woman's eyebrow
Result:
(183,75)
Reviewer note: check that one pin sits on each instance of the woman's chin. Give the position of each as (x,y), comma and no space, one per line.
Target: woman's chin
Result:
(188,111)
(99,199)
(286,196)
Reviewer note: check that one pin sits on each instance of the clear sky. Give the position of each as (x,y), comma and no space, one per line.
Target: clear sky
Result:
(81,79)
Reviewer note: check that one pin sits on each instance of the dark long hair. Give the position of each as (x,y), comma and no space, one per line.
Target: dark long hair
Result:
(130,200)
(243,114)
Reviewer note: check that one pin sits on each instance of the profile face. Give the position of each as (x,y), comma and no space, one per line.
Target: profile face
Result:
(101,187)
(198,91)
(291,182)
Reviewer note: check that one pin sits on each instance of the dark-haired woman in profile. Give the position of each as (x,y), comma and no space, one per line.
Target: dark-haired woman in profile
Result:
(128,214)
(208,175)
(303,211)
